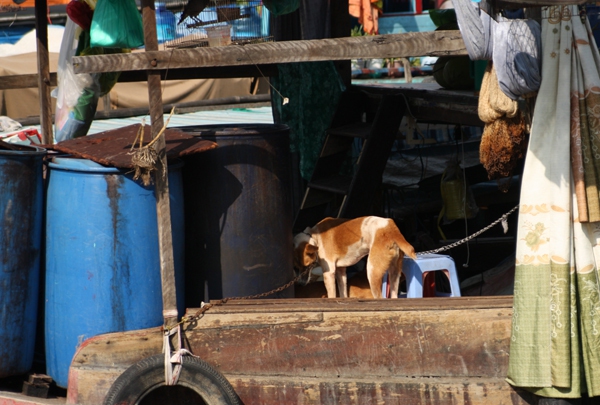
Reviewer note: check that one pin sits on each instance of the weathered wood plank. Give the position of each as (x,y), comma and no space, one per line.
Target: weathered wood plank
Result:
(23,81)
(272,349)
(359,305)
(161,181)
(204,73)
(43,64)
(429,102)
(354,345)
(14,398)
(254,390)
(426,91)
(434,43)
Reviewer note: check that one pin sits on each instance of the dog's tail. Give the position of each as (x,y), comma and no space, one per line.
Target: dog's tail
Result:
(400,241)
(406,247)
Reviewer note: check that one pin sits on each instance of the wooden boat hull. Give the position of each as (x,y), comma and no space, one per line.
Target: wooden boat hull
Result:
(331,351)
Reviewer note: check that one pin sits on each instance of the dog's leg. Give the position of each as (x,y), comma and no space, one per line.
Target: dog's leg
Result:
(329,279)
(394,273)
(342,281)
(375,277)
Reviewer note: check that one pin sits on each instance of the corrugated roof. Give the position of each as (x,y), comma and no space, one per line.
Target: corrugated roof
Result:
(259,115)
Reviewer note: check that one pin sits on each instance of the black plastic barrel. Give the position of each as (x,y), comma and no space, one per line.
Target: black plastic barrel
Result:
(21,214)
(238,213)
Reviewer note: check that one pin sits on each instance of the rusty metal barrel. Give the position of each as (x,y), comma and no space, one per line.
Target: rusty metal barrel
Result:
(238,216)
(21,213)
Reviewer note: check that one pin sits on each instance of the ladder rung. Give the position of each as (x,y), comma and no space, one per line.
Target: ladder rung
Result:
(315,198)
(334,184)
(335,144)
(357,130)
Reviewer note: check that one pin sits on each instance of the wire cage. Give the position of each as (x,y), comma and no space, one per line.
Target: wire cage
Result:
(220,23)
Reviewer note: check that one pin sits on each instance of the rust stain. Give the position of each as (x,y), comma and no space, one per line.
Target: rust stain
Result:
(119,278)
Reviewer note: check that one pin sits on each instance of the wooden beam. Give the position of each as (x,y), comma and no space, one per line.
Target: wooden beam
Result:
(23,81)
(434,43)
(340,28)
(204,73)
(43,64)
(161,182)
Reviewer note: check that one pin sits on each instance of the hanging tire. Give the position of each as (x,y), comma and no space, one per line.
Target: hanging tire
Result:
(146,379)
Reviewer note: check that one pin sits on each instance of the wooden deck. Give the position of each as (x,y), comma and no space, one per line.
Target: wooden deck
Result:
(332,351)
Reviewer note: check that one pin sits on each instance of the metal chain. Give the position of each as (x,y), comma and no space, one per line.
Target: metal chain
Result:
(473,236)
(278,289)
(206,307)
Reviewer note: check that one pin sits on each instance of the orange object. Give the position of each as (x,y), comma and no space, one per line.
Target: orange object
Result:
(367,13)
(31,3)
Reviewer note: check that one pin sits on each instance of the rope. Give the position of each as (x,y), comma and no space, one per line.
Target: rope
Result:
(205,307)
(173,360)
(144,157)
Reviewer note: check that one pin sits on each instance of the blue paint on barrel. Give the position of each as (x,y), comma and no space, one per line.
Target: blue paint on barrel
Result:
(21,213)
(102,256)
(239,216)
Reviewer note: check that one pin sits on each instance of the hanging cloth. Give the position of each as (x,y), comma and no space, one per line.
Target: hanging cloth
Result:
(314,90)
(555,339)
(513,44)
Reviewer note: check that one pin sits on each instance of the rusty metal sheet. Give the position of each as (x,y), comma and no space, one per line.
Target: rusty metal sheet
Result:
(112,148)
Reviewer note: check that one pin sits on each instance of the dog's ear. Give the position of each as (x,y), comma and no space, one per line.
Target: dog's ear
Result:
(310,254)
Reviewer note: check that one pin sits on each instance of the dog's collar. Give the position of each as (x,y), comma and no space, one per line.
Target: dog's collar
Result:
(311,239)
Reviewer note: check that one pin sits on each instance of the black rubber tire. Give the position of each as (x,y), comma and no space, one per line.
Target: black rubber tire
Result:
(147,375)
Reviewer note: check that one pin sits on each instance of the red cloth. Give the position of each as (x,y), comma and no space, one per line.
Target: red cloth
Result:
(429,284)
(81,14)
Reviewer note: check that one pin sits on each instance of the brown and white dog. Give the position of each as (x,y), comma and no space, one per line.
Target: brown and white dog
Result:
(336,243)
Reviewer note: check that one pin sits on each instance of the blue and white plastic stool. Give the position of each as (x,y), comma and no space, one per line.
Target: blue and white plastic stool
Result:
(415,270)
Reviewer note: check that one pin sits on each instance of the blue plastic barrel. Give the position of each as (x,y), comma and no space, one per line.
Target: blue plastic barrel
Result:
(102,256)
(21,211)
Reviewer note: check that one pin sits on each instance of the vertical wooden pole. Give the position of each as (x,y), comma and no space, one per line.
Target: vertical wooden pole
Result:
(161,183)
(41,33)
(340,28)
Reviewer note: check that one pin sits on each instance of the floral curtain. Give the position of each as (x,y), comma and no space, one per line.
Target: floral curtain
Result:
(555,346)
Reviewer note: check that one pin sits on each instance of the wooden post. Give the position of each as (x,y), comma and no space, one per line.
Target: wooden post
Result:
(41,33)
(161,183)
(340,28)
